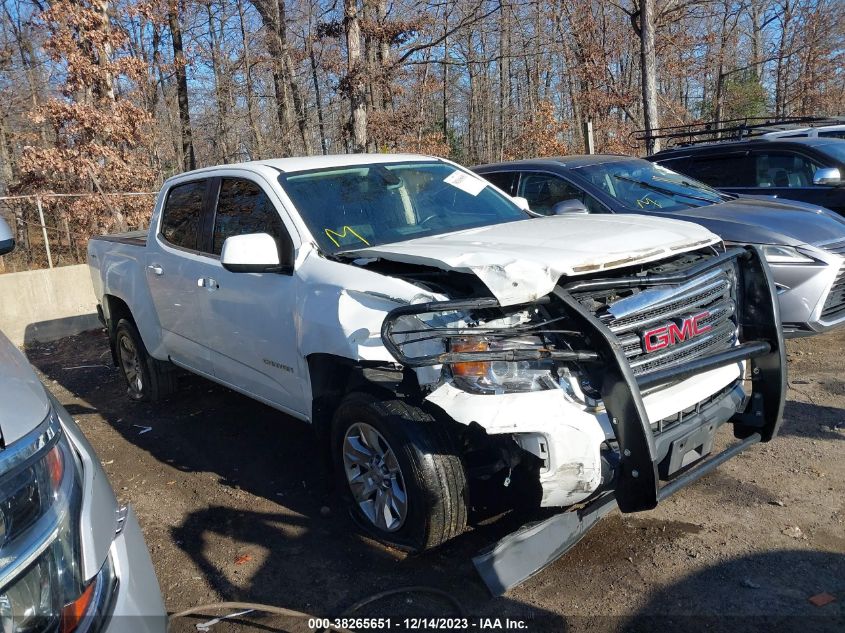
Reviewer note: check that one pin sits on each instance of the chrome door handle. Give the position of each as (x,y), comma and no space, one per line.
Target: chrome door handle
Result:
(208,283)
(156,269)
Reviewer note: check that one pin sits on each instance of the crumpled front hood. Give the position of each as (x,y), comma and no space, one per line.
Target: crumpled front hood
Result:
(23,403)
(522,261)
(767,221)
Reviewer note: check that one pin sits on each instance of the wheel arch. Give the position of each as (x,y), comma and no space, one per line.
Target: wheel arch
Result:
(332,377)
(115,309)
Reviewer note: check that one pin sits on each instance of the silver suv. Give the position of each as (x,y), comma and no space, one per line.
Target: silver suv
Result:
(67,550)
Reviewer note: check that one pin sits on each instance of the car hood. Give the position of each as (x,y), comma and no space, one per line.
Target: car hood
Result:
(522,261)
(767,221)
(23,403)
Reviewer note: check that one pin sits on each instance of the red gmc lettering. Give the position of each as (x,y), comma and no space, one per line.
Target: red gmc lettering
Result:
(671,333)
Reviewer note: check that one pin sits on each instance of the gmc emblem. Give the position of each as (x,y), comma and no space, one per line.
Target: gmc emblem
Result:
(671,333)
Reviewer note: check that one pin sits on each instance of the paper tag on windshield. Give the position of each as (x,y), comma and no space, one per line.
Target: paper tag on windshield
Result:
(465,182)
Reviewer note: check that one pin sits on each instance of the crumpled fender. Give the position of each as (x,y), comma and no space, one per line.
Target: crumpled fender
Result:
(342,307)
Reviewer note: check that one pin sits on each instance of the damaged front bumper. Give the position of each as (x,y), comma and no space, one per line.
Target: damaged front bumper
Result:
(643,458)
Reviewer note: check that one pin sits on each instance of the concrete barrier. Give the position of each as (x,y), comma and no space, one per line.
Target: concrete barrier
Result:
(45,305)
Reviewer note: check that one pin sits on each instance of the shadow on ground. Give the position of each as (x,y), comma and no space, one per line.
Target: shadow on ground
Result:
(760,592)
(308,554)
(262,491)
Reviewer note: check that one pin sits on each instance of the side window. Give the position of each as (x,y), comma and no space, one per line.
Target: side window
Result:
(675,164)
(833,134)
(733,170)
(502,179)
(783,169)
(182,215)
(544,191)
(242,208)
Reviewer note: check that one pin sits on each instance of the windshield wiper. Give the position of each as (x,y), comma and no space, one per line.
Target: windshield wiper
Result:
(663,190)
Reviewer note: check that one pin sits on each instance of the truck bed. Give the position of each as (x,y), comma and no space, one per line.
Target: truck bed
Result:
(133,238)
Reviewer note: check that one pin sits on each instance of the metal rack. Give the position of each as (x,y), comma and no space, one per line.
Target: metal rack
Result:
(730,129)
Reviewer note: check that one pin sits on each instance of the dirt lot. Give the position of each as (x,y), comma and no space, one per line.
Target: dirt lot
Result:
(234,507)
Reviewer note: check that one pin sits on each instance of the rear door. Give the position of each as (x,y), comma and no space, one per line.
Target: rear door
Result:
(174,261)
(252,333)
(729,171)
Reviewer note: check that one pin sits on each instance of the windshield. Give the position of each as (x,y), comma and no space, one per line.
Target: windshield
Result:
(365,205)
(640,185)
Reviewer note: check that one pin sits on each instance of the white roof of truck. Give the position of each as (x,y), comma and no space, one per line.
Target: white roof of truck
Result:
(303,163)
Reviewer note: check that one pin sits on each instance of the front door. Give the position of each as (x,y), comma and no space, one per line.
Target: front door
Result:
(251,315)
(789,176)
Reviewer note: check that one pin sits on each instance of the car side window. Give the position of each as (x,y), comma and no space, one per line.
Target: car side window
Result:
(182,215)
(544,191)
(733,170)
(502,179)
(243,208)
(675,164)
(783,169)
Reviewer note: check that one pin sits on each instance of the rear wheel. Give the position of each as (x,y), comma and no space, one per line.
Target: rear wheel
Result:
(399,471)
(147,379)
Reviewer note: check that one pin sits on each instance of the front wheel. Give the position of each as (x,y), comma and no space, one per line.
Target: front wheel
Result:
(399,471)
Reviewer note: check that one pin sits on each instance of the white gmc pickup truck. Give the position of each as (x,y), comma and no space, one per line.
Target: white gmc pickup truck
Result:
(452,351)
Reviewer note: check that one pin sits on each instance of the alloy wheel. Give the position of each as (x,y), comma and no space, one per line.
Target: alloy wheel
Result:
(375,477)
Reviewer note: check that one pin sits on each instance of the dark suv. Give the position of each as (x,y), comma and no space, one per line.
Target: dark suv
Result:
(807,169)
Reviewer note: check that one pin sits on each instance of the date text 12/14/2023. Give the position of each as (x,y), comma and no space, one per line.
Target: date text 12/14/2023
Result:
(420,624)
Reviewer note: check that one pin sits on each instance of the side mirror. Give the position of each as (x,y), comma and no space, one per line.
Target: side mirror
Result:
(255,253)
(565,207)
(521,202)
(829,176)
(7,238)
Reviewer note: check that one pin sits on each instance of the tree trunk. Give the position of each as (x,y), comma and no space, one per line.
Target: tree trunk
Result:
(188,158)
(221,139)
(257,139)
(6,173)
(357,88)
(648,67)
(318,97)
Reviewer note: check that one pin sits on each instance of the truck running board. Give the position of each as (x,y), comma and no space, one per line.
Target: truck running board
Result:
(535,546)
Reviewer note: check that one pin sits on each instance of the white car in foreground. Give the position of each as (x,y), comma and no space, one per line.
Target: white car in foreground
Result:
(71,559)
(447,348)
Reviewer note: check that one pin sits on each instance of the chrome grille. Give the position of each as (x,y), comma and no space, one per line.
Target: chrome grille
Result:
(834,305)
(712,291)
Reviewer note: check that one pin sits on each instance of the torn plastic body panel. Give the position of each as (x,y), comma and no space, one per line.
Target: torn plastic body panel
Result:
(606,392)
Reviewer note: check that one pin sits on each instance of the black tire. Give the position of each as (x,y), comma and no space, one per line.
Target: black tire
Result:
(434,478)
(147,379)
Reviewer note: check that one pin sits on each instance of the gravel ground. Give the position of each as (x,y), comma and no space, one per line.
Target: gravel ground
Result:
(233,507)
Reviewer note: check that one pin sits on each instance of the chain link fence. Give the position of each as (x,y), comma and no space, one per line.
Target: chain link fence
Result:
(53,229)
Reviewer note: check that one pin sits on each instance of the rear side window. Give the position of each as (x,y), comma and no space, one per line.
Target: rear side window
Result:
(502,179)
(243,208)
(182,216)
(723,171)
(833,134)
(675,164)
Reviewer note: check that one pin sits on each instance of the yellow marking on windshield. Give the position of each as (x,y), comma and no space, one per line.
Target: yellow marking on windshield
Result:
(346,231)
(642,203)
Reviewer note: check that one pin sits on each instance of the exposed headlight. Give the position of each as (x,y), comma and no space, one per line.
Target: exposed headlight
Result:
(784,255)
(501,376)
(41,590)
